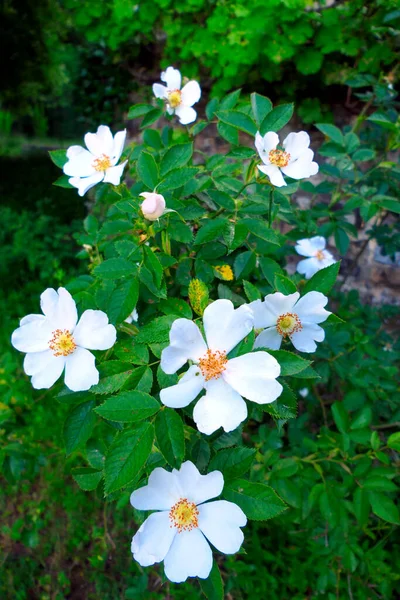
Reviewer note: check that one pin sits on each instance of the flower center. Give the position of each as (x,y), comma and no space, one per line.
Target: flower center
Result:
(212,364)
(174,98)
(183,515)
(288,324)
(280,158)
(102,163)
(62,343)
(319,255)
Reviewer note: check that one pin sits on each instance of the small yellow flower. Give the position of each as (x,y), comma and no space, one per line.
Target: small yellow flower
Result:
(225,272)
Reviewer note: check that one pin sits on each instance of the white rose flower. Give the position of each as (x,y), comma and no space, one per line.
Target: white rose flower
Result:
(98,162)
(286,316)
(319,257)
(54,342)
(295,160)
(178,533)
(225,381)
(153,206)
(179,101)
(134,316)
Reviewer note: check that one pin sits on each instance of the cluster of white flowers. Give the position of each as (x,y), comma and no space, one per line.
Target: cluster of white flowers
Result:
(56,341)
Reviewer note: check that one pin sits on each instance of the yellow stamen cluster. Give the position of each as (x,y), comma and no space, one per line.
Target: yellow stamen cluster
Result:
(174,98)
(213,364)
(288,324)
(319,255)
(102,163)
(280,158)
(225,271)
(184,515)
(62,343)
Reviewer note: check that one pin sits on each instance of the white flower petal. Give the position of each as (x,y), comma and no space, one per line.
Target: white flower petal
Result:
(185,391)
(113,174)
(64,314)
(265,144)
(101,142)
(30,319)
(220,407)
(191,93)
(266,313)
(189,556)
(44,367)
(198,488)
(269,338)
(253,376)
(33,336)
(308,267)
(310,308)
(262,317)
(75,151)
(226,326)
(327,260)
(153,540)
(308,247)
(303,340)
(186,114)
(172,78)
(80,165)
(161,492)
(94,332)
(220,522)
(118,145)
(274,174)
(48,302)
(186,342)
(80,370)
(84,184)
(302,167)
(160,91)
(296,143)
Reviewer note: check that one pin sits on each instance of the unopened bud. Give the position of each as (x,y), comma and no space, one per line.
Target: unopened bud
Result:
(153,206)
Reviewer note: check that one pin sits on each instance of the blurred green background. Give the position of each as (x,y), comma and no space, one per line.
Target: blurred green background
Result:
(70,66)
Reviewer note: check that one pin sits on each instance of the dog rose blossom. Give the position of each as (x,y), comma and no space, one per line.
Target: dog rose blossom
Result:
(99,162)
(153,206)
(226,381)
(179,101)
(56,341)
(295,159)
(177,534)
(290,317)
(319,257)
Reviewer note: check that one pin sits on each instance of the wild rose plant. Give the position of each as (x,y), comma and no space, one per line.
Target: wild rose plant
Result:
(197,325)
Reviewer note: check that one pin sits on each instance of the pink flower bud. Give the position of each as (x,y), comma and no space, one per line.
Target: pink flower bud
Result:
(153,206)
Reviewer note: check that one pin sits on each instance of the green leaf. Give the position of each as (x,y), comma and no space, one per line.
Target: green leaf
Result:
(340,416)
(361,506)
(379,484)
(59,157)
(277,118)
(139,110)
(213,587)
(324,280)
(284,407)
(233,462)
(147,170)
(170,436)
(251,291)
(154,265)
(290,363)
(151,117)
(175,306)
(269,269)
(384,508)
(128,407)
(79,425)
(260,229)
(230,100)
(258,501)
(363,154)
(157,331)
(244,264)
(394,441)
(211,230)
(332,132)
(114,268)
(222,199)
(127,456)
(177,178)
(238,120)
(261,107)
(63,181)
(176,156)
(123,300)
(284,285)
(229,133)
(87,478)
